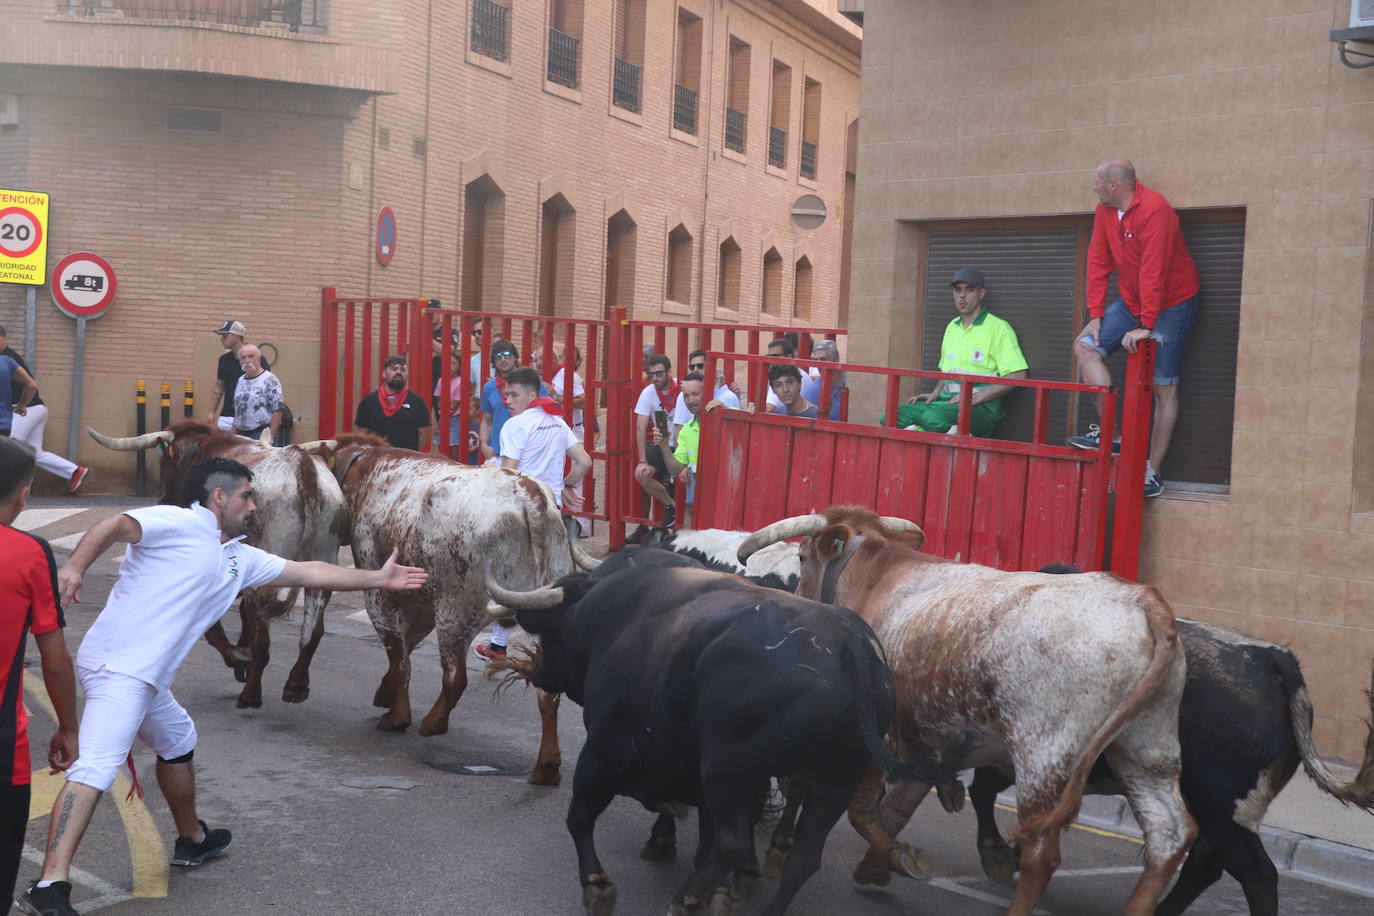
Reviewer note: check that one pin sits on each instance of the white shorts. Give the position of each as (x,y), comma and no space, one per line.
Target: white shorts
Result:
(118,707)
(225,423)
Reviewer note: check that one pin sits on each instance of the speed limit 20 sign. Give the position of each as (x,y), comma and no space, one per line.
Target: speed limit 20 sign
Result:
(23,236)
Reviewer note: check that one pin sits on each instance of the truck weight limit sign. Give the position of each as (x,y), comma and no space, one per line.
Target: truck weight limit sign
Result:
(23,237)
(83,285)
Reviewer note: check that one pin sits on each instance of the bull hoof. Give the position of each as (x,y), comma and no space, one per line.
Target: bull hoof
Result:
(722,903)
(382,698)
(295,693)
(598,896)
(429,729)
(872,870)
(906,860)
(999,863)
(951,795)
(241,673)
(236,657)
(659,849)
(546,774)
(245,701)
(776,858)
(389,723)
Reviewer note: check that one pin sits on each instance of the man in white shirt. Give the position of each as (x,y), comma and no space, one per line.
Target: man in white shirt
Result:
(650,471)
(181,571)
(258,399)
(727,395)
(535,442)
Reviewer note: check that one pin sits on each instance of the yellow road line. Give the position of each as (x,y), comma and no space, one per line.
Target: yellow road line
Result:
(1097,831)
(146,852)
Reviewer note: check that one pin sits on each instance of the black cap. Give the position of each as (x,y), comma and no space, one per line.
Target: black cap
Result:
(970,275)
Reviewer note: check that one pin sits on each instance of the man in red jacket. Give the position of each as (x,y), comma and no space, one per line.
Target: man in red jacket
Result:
(1137,234)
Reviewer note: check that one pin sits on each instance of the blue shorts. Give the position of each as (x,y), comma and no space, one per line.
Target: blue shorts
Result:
(1170,332)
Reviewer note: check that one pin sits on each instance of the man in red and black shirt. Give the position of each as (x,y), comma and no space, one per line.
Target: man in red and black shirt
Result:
(1137,234)
(28,601)
(660,394)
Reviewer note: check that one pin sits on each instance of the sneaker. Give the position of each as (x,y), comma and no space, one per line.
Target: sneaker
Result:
(77,480)
(669,516)
(1091,440)
(488,652)
(53,900)
(188,852)
(1153,485)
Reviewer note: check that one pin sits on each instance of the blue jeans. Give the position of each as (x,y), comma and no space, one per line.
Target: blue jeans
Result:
(1170,332)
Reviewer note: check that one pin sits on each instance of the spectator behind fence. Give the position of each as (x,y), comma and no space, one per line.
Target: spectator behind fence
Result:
(976,342)
(455,396)
(258,400)
(726,394)
(505,359)
(28,424)
(828,351)
(394,412)
(227,374)
(436,318)
(681,461)
(785,383)
(651,472)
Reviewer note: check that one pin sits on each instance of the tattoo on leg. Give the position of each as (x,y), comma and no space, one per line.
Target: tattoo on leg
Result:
(67,804)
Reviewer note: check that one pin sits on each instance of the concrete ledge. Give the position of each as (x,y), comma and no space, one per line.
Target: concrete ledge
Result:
(1310,858)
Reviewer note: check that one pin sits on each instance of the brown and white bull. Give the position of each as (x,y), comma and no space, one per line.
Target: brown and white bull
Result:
(300,515)
(1031,670)
(457,522)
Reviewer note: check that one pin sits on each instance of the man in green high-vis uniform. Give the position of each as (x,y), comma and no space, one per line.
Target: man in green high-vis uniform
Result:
(976,342)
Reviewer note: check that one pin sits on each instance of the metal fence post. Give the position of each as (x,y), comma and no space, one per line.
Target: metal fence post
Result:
(618,361)
(141,427)
(188,406)
(1137,404)
(329,363)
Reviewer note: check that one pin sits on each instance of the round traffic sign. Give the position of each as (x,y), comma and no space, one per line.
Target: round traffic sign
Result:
(20,232)
(386,236)
(83,285)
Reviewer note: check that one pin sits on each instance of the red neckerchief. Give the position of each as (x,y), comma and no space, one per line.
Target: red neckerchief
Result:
(669,398)
(392,402)
(500,381)
(549,404)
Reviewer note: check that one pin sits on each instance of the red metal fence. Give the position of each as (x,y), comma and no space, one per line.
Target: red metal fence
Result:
(1015,505)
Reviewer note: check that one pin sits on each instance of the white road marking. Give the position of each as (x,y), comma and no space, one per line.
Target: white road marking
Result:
(30,519)
(954,887)
(68,541)
(110,895)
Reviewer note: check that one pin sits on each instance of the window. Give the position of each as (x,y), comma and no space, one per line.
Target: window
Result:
(628,66)
(1035,268)
(728,279)
(801,290)
(621,235)
(679,284)
(565,41)
(779,114)
(491,28)
(688,84)
(557,254)
(737,96)
(484,229)
(811,127)
(771,303)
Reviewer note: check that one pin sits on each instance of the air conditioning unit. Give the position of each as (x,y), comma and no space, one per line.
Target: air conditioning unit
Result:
(1361,14)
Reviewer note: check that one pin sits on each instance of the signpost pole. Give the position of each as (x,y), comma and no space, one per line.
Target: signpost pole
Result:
(78,375)
(31,326)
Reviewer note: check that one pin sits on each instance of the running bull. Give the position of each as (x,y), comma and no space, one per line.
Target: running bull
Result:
(699,688)
(1032,670)
(300,515)
(453,520)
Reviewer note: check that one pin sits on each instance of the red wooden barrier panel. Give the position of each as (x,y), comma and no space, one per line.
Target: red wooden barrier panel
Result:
(1013,505)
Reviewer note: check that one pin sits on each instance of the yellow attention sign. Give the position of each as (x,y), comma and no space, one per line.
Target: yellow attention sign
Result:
(23,237)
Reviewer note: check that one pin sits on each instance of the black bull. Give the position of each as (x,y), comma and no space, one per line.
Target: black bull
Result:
(698,688)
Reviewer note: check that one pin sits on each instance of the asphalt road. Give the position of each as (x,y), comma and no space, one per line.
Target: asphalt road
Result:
(331,816)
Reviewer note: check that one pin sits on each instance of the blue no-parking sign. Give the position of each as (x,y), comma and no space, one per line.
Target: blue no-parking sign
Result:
(386,236)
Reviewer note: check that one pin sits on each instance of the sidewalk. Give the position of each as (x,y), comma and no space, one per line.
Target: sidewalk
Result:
(1308,834)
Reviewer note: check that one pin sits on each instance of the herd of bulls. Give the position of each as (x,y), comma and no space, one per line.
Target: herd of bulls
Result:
(714,666)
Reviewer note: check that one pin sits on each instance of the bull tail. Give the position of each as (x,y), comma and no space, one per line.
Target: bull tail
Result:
(869,674)
(1164,634)
(1360,790)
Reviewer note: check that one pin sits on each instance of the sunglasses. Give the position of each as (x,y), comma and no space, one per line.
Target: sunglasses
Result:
(658,373)
(696,365)
(505,354)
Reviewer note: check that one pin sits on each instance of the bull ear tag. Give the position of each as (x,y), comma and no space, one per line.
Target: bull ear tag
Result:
(839,547)
(162,448)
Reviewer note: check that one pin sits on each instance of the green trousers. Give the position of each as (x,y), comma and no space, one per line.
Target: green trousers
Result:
(941,416)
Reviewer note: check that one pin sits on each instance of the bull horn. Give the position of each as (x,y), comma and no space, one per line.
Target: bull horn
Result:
(537,600)
(894,525)
(315,446)
(794,527)
(130,443)
(584,559)
(498,611)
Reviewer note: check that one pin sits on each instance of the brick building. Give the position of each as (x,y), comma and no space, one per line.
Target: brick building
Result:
(230,158)
(982,124)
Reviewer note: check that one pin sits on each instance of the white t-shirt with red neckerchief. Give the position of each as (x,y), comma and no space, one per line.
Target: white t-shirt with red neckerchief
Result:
(651,399)
(539,441)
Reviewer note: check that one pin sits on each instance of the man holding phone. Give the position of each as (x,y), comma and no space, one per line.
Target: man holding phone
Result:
(658,397)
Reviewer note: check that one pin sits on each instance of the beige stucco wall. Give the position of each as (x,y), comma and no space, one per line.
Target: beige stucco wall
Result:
(1003,108)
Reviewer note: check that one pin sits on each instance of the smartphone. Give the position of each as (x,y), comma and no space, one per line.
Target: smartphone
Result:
(661,421)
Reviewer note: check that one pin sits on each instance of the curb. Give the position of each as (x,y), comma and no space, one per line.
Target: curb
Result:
(1310,858)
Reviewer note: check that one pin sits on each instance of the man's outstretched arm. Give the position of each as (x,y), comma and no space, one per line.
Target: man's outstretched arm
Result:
(316,574)
(118,529)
